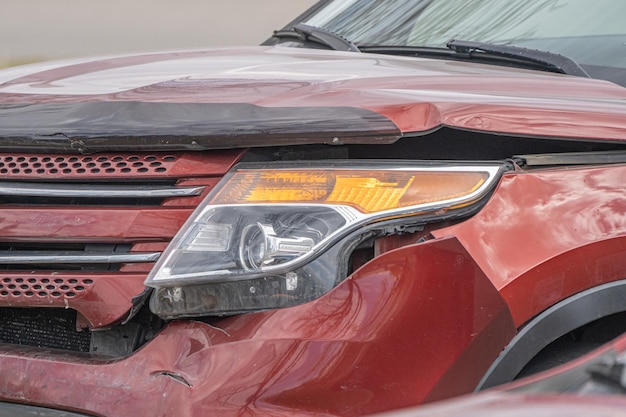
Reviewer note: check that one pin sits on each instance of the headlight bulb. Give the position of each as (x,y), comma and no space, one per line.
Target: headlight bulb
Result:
(261,246)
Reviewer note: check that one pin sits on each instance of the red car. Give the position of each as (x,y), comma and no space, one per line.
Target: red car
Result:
(388,203)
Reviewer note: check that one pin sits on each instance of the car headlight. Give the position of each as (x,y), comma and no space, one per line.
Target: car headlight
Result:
(278,235)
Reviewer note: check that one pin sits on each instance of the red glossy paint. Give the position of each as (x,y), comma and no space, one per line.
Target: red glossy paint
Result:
(546,235)
(351,352)
(417,94)
(90,223)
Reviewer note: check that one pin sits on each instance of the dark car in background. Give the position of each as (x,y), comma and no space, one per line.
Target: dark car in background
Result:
(386,204)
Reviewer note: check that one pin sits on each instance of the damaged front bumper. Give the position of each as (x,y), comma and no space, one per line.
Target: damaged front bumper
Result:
(331,356)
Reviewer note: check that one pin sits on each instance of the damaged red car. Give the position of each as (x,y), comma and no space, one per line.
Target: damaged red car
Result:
(386,204)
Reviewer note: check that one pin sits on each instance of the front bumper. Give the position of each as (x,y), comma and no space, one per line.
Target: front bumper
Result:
(400,331)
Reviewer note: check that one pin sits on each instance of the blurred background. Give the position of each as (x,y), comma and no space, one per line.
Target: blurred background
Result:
(35,30)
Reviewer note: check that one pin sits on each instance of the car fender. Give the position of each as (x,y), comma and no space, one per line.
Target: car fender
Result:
(546,235)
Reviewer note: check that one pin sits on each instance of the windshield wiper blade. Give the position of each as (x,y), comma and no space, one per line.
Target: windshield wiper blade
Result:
(550,60)
(332,40)
(486,52)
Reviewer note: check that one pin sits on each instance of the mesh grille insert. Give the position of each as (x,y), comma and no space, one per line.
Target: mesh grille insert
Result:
(16,165)
(43,327)
(43,287)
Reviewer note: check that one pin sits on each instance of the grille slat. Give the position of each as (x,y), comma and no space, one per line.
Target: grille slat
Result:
(50,258)
(23,189)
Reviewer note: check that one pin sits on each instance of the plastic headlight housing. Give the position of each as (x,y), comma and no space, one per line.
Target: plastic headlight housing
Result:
(279,235)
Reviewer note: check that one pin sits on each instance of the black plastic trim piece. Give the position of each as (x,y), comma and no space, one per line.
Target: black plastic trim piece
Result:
(560,319)
(155,126)
(572,158)
(301,18)
(319,35)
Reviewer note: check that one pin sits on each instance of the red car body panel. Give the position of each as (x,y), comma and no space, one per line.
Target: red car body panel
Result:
(275,362)
(418,95)
(61,223)
(534,262)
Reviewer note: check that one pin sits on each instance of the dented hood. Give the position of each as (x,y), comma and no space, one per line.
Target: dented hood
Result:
(264,96)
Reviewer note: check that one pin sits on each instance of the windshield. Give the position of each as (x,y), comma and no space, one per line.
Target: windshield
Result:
(591,32)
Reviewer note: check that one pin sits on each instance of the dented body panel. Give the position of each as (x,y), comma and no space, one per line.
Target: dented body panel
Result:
(413,94)
(356,342)
(566,226)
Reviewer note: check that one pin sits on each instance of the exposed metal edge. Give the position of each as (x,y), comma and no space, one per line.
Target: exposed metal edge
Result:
(26,258)
(94,190)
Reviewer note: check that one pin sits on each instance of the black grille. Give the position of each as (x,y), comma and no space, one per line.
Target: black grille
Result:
(43,327)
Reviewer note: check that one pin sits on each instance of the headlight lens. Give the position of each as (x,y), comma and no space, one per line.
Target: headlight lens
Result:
(274,236)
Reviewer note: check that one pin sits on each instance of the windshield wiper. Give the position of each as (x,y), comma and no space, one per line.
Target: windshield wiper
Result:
(551,60)
(303,32)
(514,55)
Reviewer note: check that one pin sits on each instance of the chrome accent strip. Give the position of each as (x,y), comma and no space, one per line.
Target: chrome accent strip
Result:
(27,258)
(95,190)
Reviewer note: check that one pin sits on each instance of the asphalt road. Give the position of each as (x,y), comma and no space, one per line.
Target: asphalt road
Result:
(43,29)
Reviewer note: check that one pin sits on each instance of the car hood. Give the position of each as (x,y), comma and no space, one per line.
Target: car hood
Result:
(264,96)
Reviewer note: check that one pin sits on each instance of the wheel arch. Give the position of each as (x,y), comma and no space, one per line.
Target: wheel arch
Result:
(567,315)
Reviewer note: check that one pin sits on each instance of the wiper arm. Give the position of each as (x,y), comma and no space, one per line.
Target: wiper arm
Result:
(550,60)
(332,40)
(457,49)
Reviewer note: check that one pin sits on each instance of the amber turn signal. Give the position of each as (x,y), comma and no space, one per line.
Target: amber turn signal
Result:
(369,191)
